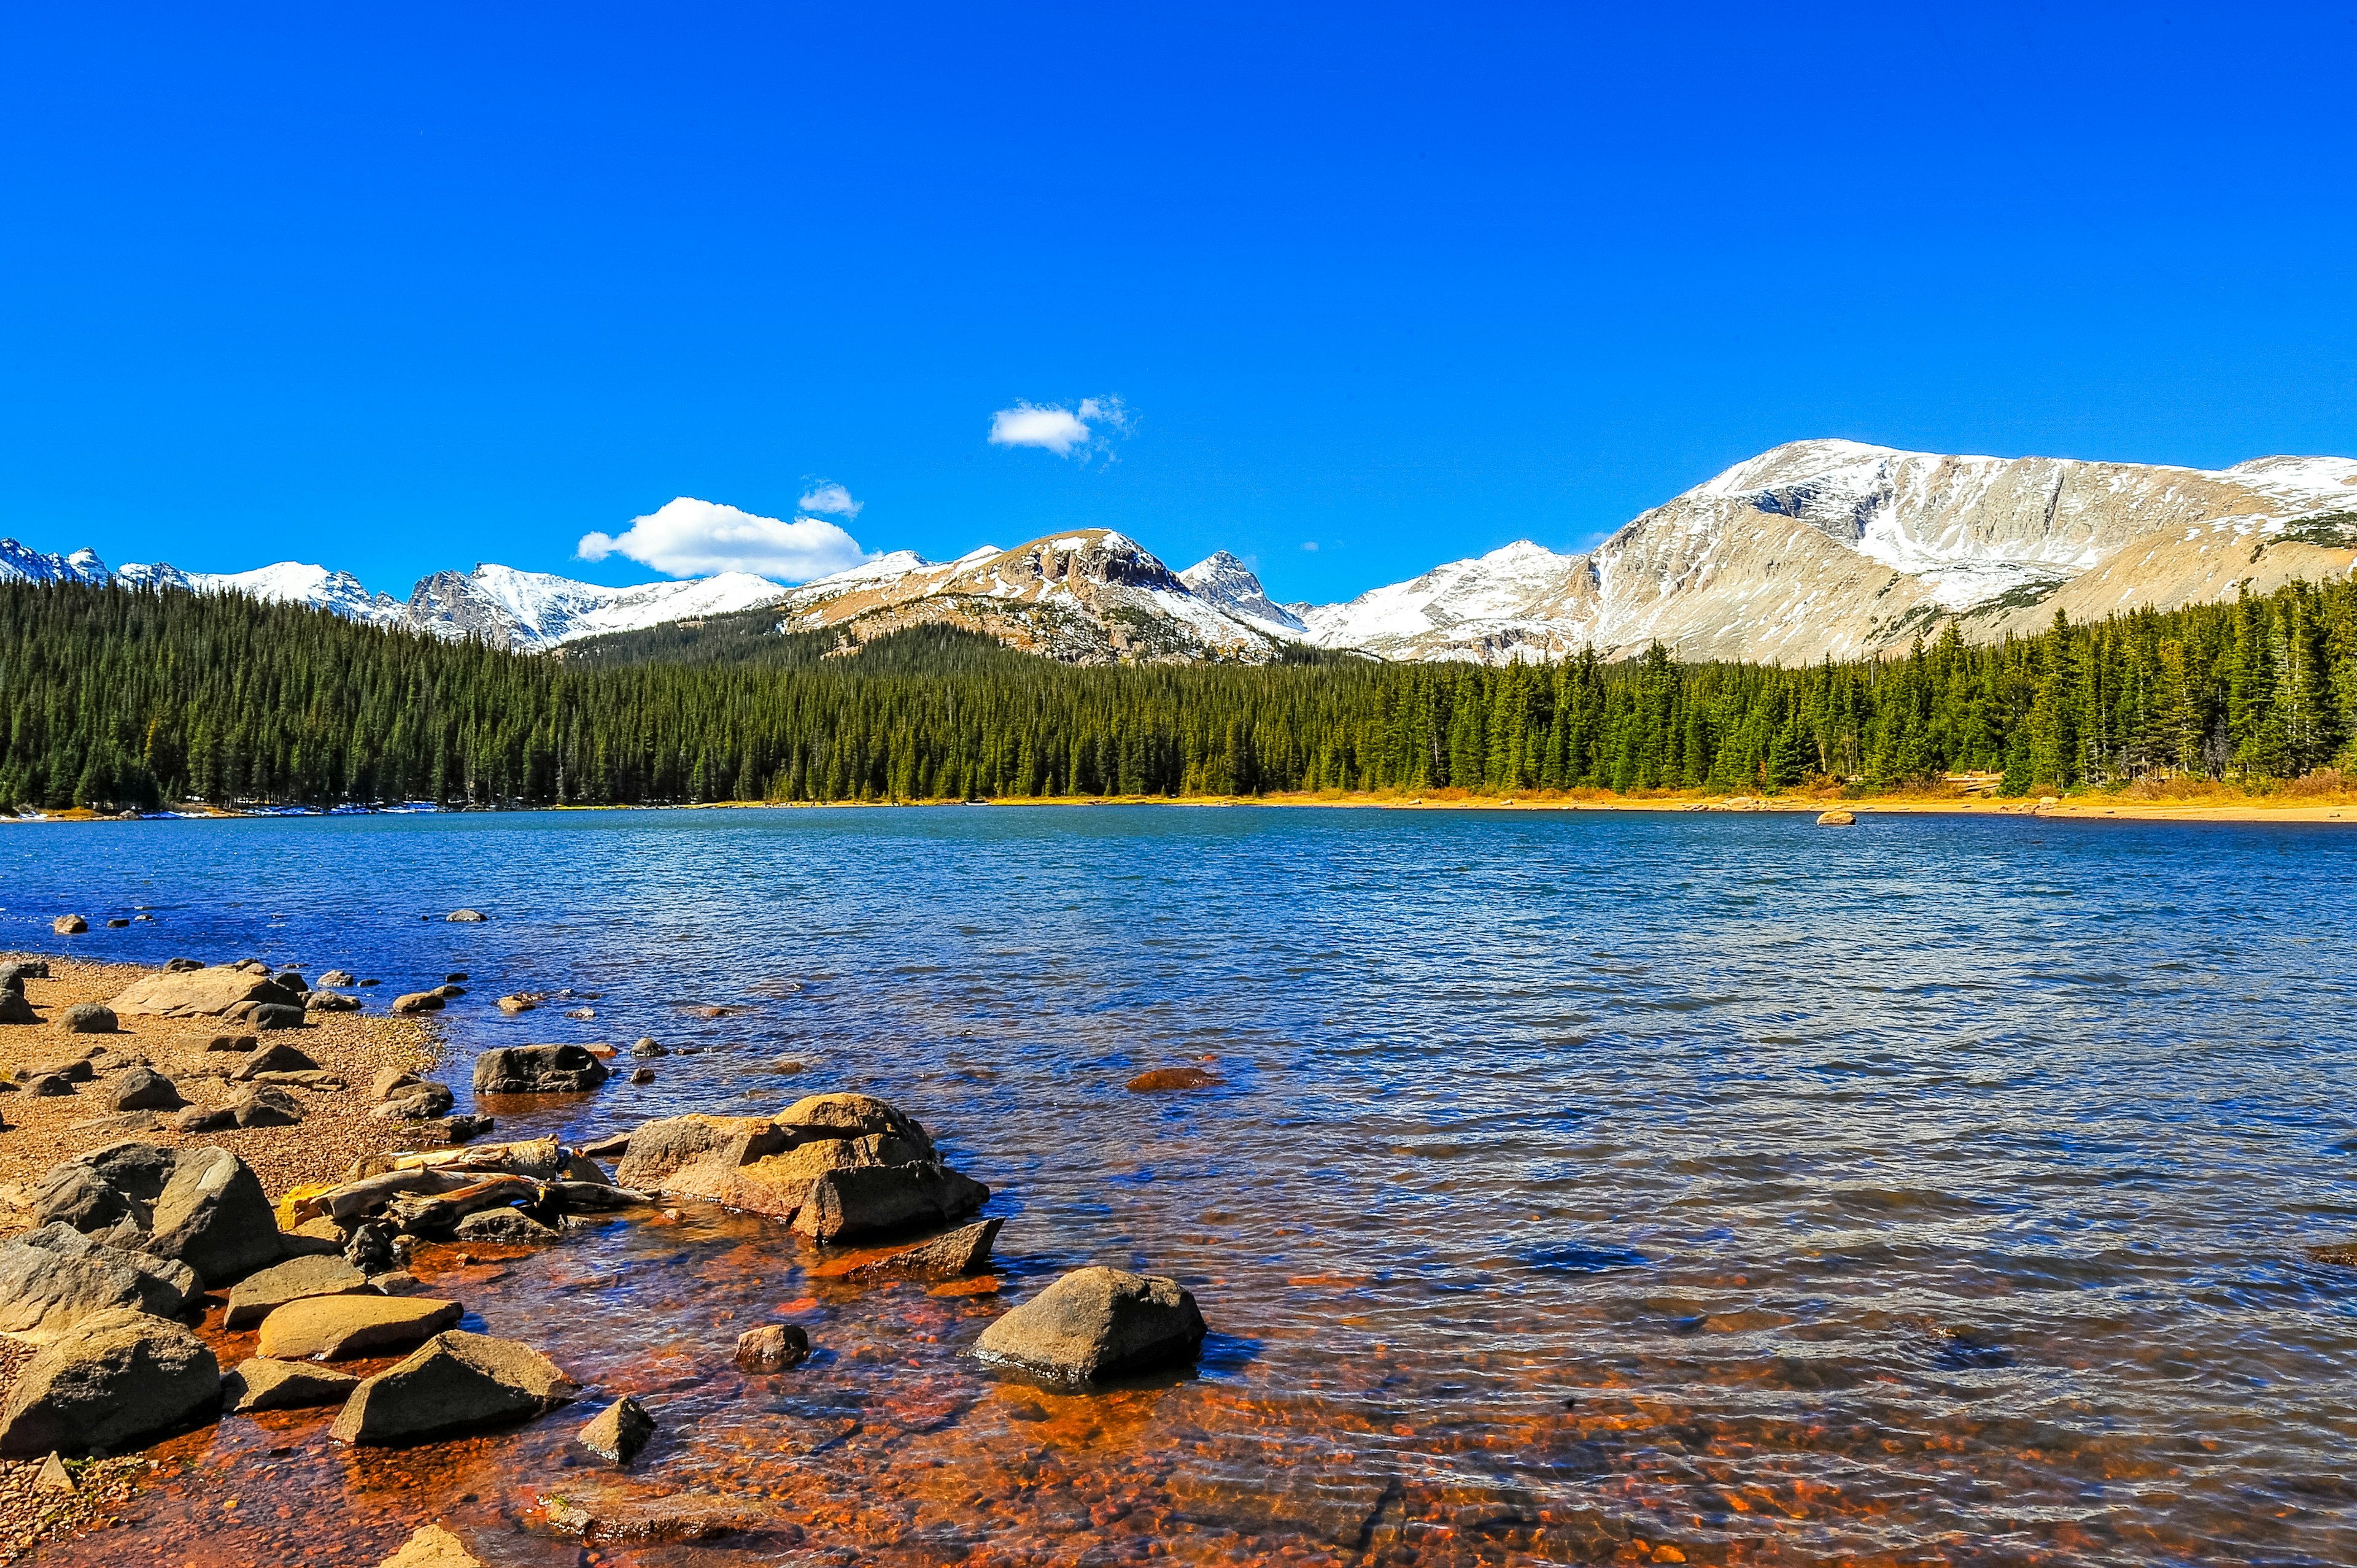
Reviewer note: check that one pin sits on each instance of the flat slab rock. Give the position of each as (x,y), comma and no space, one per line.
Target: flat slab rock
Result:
(200,992)
(452,1383)
(337,1326)
(256,1296)
(1098,1323)
(266,1383)
(684,1516)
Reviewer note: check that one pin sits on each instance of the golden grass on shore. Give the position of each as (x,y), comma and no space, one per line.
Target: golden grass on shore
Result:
(39,1132)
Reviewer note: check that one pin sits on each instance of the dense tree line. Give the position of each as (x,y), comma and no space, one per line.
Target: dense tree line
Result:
(134,696)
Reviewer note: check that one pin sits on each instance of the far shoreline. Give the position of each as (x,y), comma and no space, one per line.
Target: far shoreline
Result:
(2218,806)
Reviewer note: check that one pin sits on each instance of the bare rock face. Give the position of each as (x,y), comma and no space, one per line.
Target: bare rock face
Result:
(112,1379)
(1098,1323)
(263,1383)
(213,1216)
(54,1278)
(332,1326)
(835,1166)
(453,1383)
(538,1069)
(202,993)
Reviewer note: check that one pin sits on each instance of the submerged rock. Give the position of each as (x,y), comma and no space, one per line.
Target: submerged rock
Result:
(509,1226)
(1098,1323)
(455,1381)
(433,1547)
(1163,1079)
(965,1251)
(112,1379)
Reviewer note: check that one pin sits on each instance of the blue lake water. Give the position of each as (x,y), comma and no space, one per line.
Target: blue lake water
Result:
(1934,1190)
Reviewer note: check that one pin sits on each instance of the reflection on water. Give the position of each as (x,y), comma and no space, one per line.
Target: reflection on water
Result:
(1575,1187)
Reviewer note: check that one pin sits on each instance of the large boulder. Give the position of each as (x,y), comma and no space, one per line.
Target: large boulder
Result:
(203,992)
(537,1069)
(836,1166)
(266,1383)
(112,1379)
(257,1295)
(336,1326)
(53,1278)
(453,1383)
(214,1217)
(20,970)
(1098,1323)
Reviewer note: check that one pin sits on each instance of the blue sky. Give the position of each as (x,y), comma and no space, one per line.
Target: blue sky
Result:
(402,288)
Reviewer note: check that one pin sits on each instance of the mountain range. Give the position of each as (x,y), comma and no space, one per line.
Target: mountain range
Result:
(1812,549)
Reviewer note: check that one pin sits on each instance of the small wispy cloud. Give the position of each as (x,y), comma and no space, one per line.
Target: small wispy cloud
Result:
(1310,545)
(826,497)
(688,538)
(1087,428)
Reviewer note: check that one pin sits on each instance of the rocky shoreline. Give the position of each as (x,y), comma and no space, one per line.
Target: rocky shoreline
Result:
(188,1158)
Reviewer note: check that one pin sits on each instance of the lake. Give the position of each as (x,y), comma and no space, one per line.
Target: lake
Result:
(1580,1187)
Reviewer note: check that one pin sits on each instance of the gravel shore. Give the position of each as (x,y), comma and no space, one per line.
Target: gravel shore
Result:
(38,1132)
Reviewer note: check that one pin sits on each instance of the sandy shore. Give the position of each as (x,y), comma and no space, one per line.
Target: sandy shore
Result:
(41,1132)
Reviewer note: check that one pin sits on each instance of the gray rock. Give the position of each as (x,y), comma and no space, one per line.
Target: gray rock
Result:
(213,1216)
(648,1048)
(276,1015)
(23,969)
(332,1002)
(143,1089)
(232,1043)
(267,1105)
(773,1348)
(503,1225)
(457,1129)
(292,980)
(266,1383)
(419,1001)
(15,1009)
(1099,1323)
(331,1326)
(49,1084)
(114,1380)
(868,1200)
(202,1119)
(75,1194)
(417,1103)
(117,1121)
(53,1278)
(390,1081)
(70,925)
(455,1381)
(74,1070)
(466,917)
(619,1431)
(642,1075)
(182,965)
(537,1069)
(336,977)
(275,1057)
(259,1294)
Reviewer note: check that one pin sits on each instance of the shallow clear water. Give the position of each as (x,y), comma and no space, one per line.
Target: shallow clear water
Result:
(1934,1190)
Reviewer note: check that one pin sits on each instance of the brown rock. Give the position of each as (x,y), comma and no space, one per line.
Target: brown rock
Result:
(419,1001)
(1162,1080)
(773,1348)
(453,1381)
(866,1200)
(619,1431)
(1838,819)
(965,1251)
(336,1325)
(389,1081)
(115,1379)
(70,925)
(1097,1322)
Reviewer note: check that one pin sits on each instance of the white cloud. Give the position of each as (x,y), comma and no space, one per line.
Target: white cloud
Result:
(1064,430)
(1310,544)
(826,496)
(689,537)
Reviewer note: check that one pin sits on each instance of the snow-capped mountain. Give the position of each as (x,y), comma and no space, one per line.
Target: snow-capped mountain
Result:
(1815,548)
(1832,547)
(505,608)
(286,582)
(535,610)
(1089,596)
(1226,583)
